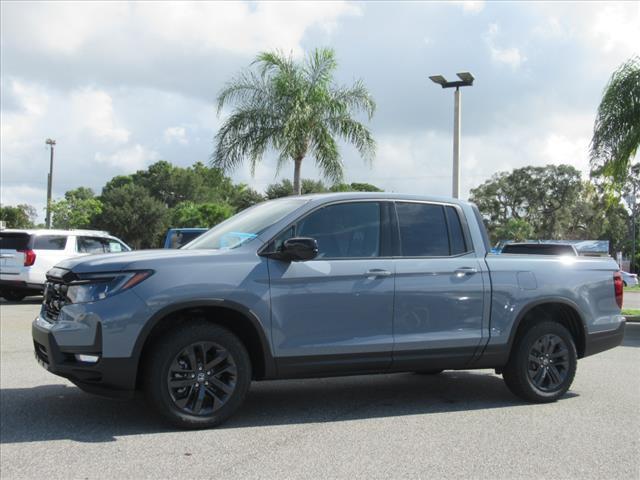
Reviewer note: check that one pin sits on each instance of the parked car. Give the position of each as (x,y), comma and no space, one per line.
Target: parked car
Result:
(177,237)
(323,285)
(27,255)
(629,279)
(540,249)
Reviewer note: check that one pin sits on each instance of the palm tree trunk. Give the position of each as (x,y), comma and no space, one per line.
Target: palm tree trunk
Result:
(297,183)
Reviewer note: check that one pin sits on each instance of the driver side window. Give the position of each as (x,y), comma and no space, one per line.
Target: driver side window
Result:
(344,230)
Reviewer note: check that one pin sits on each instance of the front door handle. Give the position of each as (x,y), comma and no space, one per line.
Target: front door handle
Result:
(464,271)
(377,272)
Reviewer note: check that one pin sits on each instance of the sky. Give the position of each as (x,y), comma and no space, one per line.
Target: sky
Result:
(120,85)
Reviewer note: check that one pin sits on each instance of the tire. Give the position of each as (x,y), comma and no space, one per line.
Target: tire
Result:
(428,372)
(189,396)
(547,374)
(13,295)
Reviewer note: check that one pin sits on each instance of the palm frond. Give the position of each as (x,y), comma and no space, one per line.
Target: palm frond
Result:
(327,155)
(245,88)
(616,135)
(320,66)
(355,98)
(355,133)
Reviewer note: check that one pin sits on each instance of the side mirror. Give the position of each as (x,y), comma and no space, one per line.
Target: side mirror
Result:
(297,249)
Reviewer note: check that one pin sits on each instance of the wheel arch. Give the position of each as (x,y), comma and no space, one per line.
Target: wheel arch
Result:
(560,310)
(231,315)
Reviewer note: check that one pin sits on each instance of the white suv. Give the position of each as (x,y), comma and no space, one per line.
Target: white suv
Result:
(27,255)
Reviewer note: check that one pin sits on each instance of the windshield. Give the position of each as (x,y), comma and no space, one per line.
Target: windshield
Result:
(246,225)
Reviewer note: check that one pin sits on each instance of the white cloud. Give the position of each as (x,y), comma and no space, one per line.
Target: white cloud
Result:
(511,56)
(19,194)
(176,134)
(92,110)
(128,160)
(67,28)
(471,6)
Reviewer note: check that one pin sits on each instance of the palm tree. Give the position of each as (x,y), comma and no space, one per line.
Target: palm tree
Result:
(616,134)
(295,109)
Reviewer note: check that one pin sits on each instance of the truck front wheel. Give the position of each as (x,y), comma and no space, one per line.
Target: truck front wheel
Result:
(542,363)
(197,376)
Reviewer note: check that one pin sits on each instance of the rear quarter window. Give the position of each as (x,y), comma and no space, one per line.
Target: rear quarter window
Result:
(49,242)
(14,241)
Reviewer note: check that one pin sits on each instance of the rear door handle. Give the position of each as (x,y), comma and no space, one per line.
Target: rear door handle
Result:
(463,271)
(377,272)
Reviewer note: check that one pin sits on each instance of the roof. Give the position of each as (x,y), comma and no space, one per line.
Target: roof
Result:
(46,231)
(377,195)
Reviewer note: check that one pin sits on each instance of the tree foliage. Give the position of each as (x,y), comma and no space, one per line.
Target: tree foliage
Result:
(19,216)
(551,202)
(78,209)
(189,214)
(131,213)
(616,133)
(295,109)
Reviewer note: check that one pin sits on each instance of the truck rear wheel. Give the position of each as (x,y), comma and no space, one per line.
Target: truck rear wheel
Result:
(197,376)
(542,363)
(13,295)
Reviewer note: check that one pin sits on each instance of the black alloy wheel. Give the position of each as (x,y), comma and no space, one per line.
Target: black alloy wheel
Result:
(548,362)
(542,363)
(197,374)
(202,377)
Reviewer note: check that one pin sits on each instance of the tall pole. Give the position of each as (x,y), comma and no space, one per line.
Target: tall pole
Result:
(456,143)
(466,80)
(51,143)
(633,230)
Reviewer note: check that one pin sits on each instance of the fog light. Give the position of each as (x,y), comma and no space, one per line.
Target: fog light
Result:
(87,358)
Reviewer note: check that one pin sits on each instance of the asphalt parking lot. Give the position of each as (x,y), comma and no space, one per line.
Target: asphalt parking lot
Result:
(458,425)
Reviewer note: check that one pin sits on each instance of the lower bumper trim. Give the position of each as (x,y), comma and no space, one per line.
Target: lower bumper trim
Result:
(599,342)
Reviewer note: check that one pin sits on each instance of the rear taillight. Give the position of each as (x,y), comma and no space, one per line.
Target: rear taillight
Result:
(618,287)
(29,257)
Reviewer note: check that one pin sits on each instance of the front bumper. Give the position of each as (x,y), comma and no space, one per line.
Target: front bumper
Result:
(601,341)
(114,377)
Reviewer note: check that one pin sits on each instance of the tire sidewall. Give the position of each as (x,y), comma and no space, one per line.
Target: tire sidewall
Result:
(161,362)
(528,340)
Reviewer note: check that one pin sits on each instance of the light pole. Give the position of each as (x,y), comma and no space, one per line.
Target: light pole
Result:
(466,80)
(51,144)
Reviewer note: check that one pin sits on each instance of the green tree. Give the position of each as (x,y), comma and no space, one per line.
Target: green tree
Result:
(295,109)
(616,133)
(542,196)
(515,229)
(355,187)
(20,216)
(131,213)
(285,188)
(189,214)
(78,209)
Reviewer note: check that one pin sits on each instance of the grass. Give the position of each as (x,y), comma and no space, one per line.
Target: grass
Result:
(635,288)
(631,312)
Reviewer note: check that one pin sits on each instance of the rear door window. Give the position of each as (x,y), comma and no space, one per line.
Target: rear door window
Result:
(14,241)
(423,230)
(114,246)
(49,242)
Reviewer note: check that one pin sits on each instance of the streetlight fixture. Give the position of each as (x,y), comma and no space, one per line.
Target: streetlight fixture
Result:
(51,144)
(466,80)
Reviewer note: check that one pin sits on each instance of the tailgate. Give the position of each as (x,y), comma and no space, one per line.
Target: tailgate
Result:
(11,258)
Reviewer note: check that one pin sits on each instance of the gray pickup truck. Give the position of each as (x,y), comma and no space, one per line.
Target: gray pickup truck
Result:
(323,285)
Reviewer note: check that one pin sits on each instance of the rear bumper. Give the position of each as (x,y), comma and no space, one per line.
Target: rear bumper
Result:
(20,285)
(114,377)
(601,341)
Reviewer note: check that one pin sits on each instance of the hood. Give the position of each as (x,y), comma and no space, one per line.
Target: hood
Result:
(141,259)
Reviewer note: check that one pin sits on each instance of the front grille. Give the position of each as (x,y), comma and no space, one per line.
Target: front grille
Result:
(55,297)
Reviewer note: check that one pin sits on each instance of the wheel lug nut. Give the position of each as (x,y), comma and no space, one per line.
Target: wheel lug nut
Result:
(197,384)
(209,372)
(206,383)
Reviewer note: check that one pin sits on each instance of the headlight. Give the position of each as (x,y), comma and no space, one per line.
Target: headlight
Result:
(92,287)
